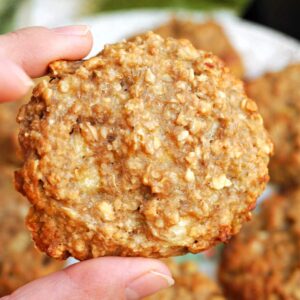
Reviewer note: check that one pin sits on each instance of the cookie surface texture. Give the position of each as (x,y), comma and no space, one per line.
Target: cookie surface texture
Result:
(207,36)
(149,149)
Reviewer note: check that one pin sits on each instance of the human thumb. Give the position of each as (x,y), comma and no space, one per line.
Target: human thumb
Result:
(110,278)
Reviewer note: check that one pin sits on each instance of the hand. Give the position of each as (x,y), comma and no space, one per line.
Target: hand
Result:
(27,52)
(106,278)
(24,54)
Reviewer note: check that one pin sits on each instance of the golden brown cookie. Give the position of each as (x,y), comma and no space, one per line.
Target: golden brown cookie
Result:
(190,284)
(149,149)
(208,36)
(263,261)
(278,98)
(20,262)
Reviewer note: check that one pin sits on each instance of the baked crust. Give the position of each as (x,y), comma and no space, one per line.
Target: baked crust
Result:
(262,261)
(149,149)
(278,98)
(20,261)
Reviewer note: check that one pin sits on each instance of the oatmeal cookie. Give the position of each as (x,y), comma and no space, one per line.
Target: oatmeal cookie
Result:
(149,149)
(208,36)
(20,262)
(263,261)
(278,99)
(190,284)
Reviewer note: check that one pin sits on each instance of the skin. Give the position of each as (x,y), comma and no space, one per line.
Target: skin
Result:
(25,54)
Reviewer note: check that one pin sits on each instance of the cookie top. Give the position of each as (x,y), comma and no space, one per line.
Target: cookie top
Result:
(262,261)
(278,98)
(20,262)
(190,284)
(208,36)
(149,149)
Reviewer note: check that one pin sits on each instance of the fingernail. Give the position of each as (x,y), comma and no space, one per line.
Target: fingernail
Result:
(21,75)
(79,30)
(147,284)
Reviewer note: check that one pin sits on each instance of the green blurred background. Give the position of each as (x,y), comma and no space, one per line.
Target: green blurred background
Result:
(102,5)
(282,15)
(10,9)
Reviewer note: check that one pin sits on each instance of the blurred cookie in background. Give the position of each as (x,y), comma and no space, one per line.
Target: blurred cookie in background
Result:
(262,261)
(208,36)
(20,261)
(278,98)
(10,151)
(9,146)
(190,284)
